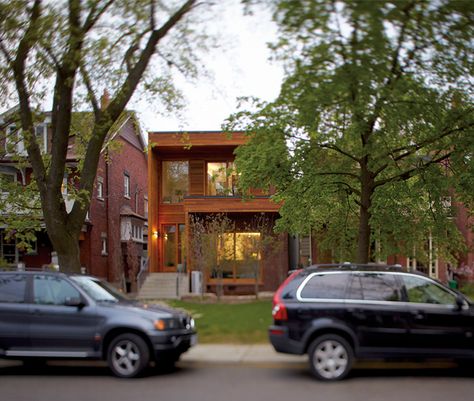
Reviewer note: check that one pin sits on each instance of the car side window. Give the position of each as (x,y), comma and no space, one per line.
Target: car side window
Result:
(325,286)
(421,290)
(50,290)
(12,288)
(374,287)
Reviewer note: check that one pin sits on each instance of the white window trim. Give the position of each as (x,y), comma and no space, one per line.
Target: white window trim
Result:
(100,188)
(103,239)
(126,185)
(45,136)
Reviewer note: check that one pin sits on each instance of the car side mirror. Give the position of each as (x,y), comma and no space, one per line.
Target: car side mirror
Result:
(74,301)
(460,302)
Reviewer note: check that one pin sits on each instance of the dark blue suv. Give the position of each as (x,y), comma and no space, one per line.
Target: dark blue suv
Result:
(53,315)
(337,313)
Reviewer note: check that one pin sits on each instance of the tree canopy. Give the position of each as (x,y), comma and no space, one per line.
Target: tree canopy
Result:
(69,52)
(370,138)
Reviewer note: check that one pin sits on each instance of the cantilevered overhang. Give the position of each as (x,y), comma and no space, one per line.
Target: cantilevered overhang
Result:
(217,204)
(195,139)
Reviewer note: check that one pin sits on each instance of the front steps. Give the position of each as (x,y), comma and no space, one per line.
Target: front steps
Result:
(164,286)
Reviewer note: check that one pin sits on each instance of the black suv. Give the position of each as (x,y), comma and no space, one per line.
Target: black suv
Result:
(337,313)
(53,315)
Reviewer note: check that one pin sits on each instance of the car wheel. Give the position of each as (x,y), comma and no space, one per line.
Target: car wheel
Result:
(330,357)
(128,355)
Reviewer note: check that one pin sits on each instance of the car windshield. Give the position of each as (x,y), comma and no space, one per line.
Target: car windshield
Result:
(99,290)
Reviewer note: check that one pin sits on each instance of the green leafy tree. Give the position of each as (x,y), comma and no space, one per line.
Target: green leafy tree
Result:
(69,52)
(372,131)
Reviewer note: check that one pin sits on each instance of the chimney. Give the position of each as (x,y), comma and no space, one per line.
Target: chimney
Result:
(105,100)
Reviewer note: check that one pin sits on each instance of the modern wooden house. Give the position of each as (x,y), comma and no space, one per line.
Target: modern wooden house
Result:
(191,176)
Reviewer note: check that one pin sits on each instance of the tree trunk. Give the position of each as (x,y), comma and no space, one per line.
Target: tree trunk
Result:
(69,255)
(367,188)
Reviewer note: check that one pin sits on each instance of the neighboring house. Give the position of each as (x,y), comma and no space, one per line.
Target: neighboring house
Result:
(305,251)
(113,241)
(191,175)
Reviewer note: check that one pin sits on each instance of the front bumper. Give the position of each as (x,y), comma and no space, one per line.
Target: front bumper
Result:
(282,342)
(173,342)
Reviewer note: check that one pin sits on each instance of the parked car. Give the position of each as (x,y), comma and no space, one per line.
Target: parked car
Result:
(338,313)
(53,315)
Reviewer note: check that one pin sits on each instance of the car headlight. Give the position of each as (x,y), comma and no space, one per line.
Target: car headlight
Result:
(160,324)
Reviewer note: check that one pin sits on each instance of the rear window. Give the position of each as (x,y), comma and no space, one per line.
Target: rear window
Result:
(325,286)
(12,288)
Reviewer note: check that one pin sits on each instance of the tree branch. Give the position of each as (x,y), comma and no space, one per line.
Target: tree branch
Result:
(339,150)
(118,103)
(92,18)
(407,174)
(90,91)
(27,42)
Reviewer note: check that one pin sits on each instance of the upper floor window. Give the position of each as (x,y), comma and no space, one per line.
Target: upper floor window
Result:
(41,132)
(126,185)
(103,239)
(145,207)
(175,179)
(100,188)
(221,179)
(15,144)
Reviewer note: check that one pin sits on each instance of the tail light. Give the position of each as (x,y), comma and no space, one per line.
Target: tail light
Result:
(279,311)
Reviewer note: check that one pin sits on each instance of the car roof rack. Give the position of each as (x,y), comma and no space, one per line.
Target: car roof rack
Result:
(349,266)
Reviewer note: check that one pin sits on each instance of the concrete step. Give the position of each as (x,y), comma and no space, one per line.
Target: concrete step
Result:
(163,286)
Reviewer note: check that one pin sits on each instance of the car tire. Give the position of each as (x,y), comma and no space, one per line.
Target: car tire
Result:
(330,357)
(128,355)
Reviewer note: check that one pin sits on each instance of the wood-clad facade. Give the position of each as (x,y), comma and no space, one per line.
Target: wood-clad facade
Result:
(190,174)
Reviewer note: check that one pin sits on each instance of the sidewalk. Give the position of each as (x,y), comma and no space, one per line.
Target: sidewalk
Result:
(233,353)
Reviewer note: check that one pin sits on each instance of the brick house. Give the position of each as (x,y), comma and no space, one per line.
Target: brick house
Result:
(113,241)
(191,176)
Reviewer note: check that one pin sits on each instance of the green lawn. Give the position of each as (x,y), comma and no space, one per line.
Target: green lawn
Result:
(240,323)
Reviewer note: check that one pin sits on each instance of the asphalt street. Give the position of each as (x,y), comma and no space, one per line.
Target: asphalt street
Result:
(206,381)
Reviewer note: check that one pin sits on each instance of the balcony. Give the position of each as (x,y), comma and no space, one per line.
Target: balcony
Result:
(225,204)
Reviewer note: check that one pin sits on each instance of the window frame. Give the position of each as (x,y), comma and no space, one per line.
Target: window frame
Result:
(162,182)
(235,279)
(126,185)
(100,188)
(231,189)
(104,245)
(9,173)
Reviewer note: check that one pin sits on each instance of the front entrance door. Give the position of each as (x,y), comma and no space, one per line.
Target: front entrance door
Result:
(173,246)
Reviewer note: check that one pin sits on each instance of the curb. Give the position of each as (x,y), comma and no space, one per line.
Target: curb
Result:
(237,354)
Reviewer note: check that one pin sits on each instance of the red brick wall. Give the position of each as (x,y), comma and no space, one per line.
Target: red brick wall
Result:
(105,214)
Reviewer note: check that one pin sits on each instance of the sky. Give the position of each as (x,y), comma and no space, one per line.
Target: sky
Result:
(240,68)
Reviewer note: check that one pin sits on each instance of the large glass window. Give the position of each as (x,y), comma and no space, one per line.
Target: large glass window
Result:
(238,256)
(221,179)
(175,180)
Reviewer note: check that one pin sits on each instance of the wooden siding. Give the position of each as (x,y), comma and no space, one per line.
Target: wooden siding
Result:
(196,139)
(209,204)
(197,176)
